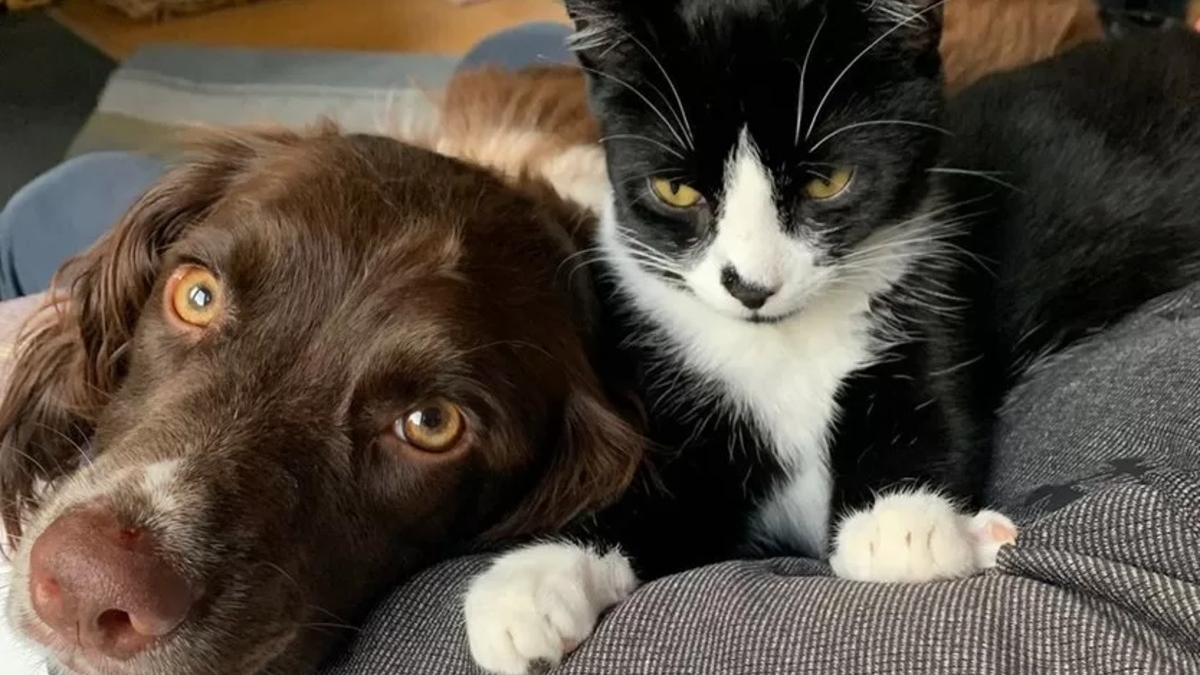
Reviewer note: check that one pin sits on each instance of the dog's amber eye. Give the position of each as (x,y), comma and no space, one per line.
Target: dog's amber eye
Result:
(195,296)
(675,194)
(824,188)
(436,426)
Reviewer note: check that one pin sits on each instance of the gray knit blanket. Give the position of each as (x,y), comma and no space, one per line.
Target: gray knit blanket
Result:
(1099,460)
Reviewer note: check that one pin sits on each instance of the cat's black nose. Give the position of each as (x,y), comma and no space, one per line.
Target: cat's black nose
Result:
(752,296)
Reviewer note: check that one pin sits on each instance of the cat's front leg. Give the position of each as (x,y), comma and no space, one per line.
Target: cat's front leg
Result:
(918,536)
(538,603)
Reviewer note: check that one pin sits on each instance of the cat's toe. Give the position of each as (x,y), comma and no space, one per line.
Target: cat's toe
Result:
(914,537)
(536,605)
(990,531)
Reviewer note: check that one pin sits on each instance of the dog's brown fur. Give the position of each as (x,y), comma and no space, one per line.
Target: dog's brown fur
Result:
(364,276)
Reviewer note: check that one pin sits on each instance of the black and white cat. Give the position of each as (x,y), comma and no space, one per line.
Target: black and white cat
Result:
(823,284)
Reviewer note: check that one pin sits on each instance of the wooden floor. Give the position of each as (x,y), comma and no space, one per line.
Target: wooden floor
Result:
(436,26)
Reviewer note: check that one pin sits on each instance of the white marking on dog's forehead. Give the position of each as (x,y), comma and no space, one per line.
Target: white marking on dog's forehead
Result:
(159,481)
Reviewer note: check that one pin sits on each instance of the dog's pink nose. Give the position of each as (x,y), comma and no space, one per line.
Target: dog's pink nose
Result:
(103,586)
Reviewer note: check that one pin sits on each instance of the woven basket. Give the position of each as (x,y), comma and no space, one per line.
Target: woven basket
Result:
(161,9)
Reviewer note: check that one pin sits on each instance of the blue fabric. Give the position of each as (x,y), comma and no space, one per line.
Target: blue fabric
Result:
(525,45)
(65,210)
(62,212)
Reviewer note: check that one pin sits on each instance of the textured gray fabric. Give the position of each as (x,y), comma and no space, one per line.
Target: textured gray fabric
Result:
(1099,457)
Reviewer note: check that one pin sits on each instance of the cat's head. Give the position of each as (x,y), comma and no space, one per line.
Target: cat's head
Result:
(757,148)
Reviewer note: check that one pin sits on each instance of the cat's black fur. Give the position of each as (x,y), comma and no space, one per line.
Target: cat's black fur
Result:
(1088,212)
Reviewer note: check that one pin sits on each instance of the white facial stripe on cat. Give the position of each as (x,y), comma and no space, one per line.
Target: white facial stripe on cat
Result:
(751,241)
(785,376)
(750,235)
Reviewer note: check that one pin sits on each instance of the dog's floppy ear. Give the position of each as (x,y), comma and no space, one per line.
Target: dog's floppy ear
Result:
(72,356)
(597,454)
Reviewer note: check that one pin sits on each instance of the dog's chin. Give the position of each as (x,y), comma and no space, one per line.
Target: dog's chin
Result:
(64,660)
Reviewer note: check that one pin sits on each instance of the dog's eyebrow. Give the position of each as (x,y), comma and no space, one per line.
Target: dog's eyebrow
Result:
(208,250)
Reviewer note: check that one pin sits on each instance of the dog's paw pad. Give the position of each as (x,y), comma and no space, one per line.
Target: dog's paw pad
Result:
(536,605)
(914,537)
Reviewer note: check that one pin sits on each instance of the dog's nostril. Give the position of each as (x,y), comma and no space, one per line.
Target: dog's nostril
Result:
(116,634)
(114,621)
(105,587)
(752,296)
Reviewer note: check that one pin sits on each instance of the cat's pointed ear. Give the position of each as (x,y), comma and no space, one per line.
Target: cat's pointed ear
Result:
(918,22)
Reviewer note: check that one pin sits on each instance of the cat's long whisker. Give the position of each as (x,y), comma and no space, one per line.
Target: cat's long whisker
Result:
(918,230)
(825,99)
(646,252)
(914,236)
(628,239)
(650,104)
(931,301)
(874,123)
(600,257)
(669,270)
(659,262)
(892,11)
(636,137)
(978,174)
(582,253)
(636,245)
(666,271)
(918,245)
(804,78)
(931,248)
(598,254)
(687,127)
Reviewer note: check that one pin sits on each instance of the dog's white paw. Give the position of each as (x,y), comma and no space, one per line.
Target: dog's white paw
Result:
(538,603)
(914,537)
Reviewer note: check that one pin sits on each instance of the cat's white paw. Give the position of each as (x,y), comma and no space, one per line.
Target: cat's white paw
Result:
(538,603)
(914,537)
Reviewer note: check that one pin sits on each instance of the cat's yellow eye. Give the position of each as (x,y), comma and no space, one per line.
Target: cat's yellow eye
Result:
(675,194)
(828,186)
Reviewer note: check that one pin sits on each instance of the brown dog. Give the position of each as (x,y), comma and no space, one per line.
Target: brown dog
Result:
(302,367)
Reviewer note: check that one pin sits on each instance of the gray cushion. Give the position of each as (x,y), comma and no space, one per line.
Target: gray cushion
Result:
(1099,457)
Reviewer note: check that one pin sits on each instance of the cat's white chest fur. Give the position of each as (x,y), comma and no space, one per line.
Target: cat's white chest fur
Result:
(785,376)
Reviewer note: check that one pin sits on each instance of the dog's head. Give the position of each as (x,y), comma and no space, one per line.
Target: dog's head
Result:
(301,367)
